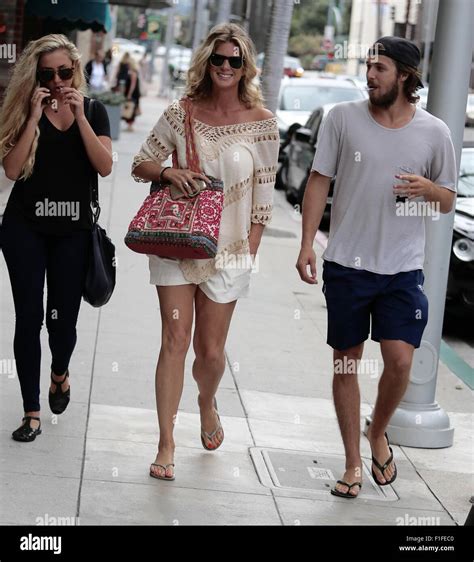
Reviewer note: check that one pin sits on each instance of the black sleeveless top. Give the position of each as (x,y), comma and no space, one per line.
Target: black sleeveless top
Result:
(55,199)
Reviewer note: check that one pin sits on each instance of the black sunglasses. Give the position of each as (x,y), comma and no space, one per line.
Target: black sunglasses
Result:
(218,60)
(47,74)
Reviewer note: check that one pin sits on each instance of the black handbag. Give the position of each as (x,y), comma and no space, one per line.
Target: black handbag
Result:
(100,278)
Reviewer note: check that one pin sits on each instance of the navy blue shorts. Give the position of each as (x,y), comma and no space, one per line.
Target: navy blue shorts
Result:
(396,304)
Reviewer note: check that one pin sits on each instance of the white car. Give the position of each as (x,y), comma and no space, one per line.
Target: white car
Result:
(299,97)
(179,65)
(358,81)
(423,93)
(176,51)
(120,46)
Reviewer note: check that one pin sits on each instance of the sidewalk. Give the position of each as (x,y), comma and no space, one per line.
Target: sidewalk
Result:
(91,464)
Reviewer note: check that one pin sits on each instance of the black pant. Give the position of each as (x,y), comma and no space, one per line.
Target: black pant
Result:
(29,256)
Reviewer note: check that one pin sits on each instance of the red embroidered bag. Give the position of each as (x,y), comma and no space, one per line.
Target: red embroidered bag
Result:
(179,228)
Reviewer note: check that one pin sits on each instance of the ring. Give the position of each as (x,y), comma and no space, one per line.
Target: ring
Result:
(186,184)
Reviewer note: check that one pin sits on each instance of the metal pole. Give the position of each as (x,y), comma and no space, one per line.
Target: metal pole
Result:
(328,28)
(225,8)
(407,22)
(199,25)
(248,11)
(432,8)
(379,18)
(361,4)
(419,421)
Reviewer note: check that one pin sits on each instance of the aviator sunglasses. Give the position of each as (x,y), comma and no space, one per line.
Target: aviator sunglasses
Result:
(47,74)
(218,60)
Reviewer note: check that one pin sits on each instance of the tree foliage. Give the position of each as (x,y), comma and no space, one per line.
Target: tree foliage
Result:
(309,17)
(307,27)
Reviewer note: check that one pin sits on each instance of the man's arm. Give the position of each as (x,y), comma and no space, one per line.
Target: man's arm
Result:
(314,203)
(444,196)
(420,186)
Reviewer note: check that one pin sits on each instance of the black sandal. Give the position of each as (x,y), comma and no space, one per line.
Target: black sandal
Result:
(27,433)
(383,467)
(58,400)
(347,495)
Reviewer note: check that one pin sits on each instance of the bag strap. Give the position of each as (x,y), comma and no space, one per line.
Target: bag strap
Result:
(192,157)
(94,184)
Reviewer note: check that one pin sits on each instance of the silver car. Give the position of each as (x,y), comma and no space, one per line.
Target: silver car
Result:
(299,97)
(470,110)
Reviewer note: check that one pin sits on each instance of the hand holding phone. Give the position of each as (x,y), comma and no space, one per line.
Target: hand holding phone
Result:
(177,193)
(39,99)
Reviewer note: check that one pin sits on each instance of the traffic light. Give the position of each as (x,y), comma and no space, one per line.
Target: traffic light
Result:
(392,12)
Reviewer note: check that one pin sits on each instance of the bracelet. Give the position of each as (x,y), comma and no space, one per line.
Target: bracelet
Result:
(162,172)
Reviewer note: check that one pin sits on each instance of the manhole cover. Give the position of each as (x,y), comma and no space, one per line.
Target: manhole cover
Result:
(313,473)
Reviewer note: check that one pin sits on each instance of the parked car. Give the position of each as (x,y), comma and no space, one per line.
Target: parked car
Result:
(359,81)
(298,97)
(292,66)
(120,46)
(470,110)
(178,65)
(460,290)
(423,93)
(174,50)
(319,62)
(299,155)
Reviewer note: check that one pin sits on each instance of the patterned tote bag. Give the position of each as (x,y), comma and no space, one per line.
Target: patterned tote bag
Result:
(179,227)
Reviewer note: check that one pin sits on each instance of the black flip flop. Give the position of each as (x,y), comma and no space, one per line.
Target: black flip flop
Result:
(347,495)
(383,467)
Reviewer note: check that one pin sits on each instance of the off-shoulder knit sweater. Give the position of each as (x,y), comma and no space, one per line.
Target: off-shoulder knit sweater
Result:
(244,156)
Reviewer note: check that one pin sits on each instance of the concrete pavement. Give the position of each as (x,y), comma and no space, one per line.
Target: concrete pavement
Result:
(282,448)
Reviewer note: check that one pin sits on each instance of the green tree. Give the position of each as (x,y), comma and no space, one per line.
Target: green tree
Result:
(127,20)
(305,47)
(307,27)
(309,17)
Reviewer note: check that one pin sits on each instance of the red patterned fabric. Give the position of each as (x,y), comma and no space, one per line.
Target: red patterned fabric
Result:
(186,228)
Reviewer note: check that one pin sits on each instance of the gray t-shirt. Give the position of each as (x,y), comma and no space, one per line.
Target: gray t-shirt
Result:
(369,229)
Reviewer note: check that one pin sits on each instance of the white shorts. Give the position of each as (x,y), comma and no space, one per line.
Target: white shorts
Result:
(226,285)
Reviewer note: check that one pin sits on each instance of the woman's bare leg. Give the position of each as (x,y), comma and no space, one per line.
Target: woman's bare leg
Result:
(176,307)
(210,334)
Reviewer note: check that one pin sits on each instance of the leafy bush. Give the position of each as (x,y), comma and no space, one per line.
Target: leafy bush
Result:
(305,47)
(109,97)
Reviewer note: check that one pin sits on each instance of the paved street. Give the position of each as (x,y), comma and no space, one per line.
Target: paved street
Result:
(275,398)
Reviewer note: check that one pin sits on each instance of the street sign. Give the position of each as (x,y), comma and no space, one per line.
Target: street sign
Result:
(327,44)
(153,27)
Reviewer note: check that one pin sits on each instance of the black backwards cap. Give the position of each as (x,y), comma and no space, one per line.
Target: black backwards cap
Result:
(398,49)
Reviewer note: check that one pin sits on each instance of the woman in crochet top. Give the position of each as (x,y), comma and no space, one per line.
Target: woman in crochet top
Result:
(237,141)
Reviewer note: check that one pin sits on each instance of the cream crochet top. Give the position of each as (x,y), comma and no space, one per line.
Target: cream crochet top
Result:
(244,156)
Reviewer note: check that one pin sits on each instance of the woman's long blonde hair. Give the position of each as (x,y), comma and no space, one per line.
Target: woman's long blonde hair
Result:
(16,106)
(129,60)
(199,83)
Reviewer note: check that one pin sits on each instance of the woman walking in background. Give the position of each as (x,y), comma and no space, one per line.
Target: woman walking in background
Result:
(51,151)
(96,72)
(237,141)
(128,78)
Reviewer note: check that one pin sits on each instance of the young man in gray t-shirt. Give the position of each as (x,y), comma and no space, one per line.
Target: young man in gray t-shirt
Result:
(395,166)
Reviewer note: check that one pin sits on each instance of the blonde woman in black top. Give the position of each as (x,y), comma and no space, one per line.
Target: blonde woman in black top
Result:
(51,151)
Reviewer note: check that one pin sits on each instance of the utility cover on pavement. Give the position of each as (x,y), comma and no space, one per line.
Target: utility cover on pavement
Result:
(315,473)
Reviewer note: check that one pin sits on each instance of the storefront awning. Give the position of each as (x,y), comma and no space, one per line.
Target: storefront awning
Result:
(75,14)
(152,4)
